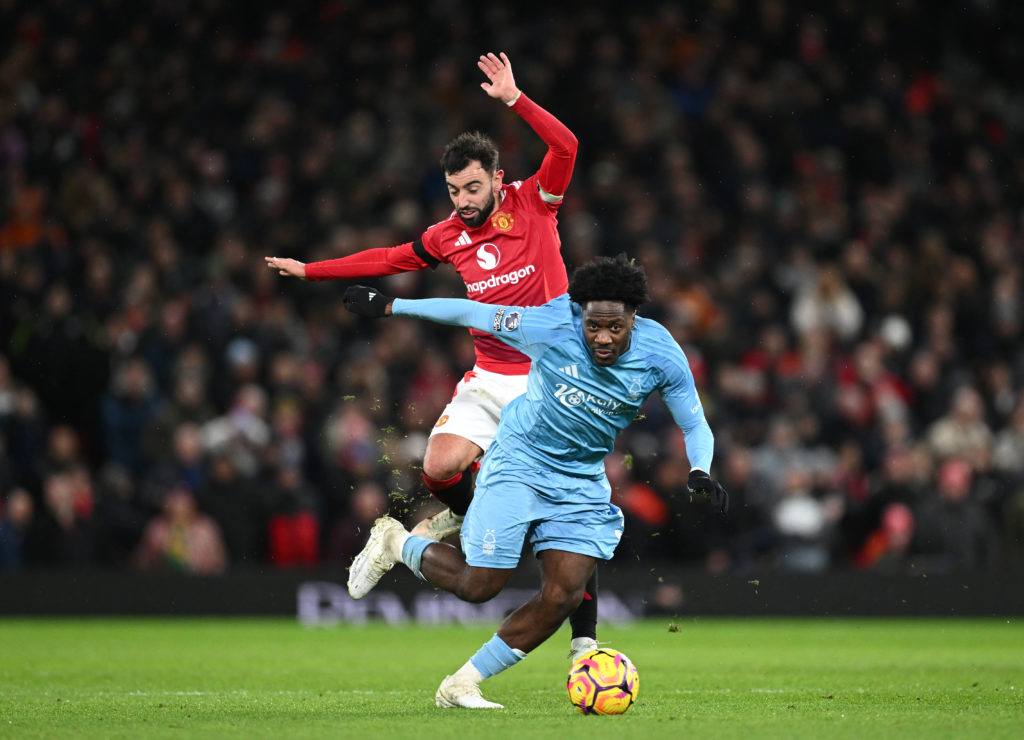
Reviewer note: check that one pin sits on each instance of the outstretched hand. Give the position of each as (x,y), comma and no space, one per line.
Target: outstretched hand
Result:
(704,485)
(502,84)
(365,301)
(286,266)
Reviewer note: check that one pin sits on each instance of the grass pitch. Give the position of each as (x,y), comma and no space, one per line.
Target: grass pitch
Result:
(712,678)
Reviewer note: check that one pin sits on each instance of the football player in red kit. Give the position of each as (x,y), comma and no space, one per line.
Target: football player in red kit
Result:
(502,239)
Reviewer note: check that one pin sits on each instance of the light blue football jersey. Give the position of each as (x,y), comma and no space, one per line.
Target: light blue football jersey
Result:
(573,408)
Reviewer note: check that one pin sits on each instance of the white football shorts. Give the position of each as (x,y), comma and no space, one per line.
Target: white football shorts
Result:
(475,408)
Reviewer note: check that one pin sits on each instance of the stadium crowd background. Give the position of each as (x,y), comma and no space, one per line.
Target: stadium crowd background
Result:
(827,198)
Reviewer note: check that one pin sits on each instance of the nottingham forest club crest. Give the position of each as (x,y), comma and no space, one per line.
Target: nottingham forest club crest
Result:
(503,221)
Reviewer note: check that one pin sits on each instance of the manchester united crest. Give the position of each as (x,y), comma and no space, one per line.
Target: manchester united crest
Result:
(503,221)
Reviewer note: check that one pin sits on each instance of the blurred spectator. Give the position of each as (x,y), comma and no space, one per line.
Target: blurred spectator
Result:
(242,433)
(239,509)
(8,473)
(887,548)
(128,408)
(645,512)
(64,533)
(864,515)
(825,301)
(121,516)
(953,531)
(288,446)
(242,365)
(867,391)
(181,538)
(751,535)
(1013,528)
(16,517)
(62,449)
(781,452)
(1008,447)
(188,403)
(349,533)
(184,460)
(293,521)
(804,522)
(8,392)
(962,430)
(351,453)
(26,439)
(47,342)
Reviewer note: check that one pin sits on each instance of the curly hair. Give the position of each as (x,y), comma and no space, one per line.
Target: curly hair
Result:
(466,148)
(609,279)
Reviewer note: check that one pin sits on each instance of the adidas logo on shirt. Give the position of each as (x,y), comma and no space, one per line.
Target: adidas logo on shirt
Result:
(463,240)
(571,371)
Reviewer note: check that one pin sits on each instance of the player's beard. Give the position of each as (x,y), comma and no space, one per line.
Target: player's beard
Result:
(480,215)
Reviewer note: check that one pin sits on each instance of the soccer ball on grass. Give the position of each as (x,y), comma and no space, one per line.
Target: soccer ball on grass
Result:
(603,682)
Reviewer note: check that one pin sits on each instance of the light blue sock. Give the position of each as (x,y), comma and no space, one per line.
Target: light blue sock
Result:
(495,656)
(412,553)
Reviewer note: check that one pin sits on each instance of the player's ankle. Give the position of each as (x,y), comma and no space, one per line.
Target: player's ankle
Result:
(468,672)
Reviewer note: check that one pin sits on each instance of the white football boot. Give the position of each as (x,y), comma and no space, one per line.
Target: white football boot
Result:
(454,692)
(438,527)
(376,558)
(580,647)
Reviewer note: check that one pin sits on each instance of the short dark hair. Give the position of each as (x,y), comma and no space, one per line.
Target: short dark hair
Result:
(609,279)
(466,148)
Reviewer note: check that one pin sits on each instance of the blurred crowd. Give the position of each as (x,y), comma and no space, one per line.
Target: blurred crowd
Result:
(827,198)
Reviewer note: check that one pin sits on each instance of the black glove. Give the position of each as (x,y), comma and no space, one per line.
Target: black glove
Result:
(704,485)
(364,301)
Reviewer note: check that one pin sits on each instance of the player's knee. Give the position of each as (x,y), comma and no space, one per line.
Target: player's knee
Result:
(447,455)
(440,467)
(441,463)
(563,598)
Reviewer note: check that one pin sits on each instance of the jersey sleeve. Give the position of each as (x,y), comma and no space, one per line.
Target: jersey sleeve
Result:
(556,169)
(680,395)
(530,329)
(373,263)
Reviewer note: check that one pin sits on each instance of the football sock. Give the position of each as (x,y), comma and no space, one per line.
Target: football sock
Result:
(494,657)
(412,553)
(455,492)
(584,619)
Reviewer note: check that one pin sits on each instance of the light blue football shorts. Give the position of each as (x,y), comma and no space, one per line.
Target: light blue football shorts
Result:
(514,501)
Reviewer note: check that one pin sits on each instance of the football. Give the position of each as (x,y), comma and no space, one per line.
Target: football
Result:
(603,682)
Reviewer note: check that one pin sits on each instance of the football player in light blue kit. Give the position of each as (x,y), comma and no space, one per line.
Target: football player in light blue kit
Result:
(594,363)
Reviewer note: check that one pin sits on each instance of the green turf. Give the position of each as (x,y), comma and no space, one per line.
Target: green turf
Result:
(712,678)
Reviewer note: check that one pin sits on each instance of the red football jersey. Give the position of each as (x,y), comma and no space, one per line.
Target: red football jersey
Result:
(513,258)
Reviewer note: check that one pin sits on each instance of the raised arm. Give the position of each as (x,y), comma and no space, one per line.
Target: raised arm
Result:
(556,169)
